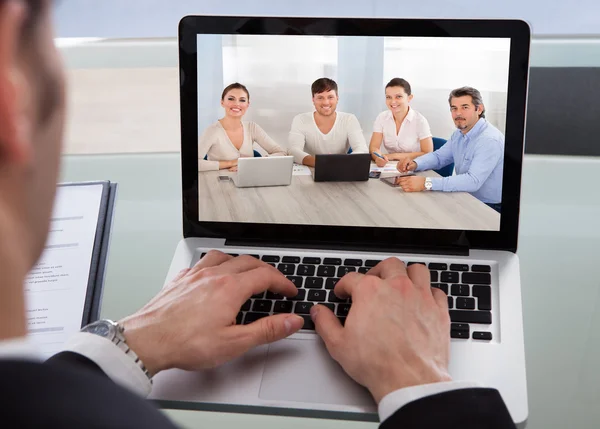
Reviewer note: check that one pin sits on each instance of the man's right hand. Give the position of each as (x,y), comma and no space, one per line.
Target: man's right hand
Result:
(397,333)
(406,164)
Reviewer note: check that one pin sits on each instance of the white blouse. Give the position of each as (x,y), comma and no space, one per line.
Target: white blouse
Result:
(215,143)
(413,129)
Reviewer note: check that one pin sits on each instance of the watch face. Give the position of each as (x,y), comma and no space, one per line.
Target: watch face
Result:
(100,328)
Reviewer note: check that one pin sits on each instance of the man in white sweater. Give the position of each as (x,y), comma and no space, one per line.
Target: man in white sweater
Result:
(324,131)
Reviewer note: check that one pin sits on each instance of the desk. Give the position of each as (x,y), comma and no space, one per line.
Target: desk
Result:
(370,203)
(558,248)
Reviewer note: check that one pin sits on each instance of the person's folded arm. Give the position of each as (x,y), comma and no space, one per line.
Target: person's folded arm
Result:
(204,145)
(485,158)
(395,400)
(296,142)
(436,159)
(266,142)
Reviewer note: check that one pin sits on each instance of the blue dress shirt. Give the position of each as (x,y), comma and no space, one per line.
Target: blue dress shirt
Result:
(478,158)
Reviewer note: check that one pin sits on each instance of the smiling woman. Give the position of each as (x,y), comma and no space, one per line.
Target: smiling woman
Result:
(224,142)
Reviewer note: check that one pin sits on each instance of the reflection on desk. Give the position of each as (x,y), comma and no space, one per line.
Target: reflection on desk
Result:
(370,203)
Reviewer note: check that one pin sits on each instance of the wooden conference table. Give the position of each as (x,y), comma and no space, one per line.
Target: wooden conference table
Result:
(370,203)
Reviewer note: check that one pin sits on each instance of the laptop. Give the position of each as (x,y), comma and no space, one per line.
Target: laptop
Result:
(342,168)
(264,171)
(316,234)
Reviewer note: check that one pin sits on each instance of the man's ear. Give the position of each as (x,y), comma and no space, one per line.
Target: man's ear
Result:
(15,123)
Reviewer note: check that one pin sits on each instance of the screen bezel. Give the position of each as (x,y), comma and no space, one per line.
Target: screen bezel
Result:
(355,237)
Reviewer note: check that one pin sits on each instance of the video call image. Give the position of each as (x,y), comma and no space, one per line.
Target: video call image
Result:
(390,132)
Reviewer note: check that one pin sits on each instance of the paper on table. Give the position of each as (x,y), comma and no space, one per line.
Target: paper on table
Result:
(301,170)
(390,167)
(56,287)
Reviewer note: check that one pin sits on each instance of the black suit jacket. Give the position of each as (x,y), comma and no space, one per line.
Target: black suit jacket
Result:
(70,391)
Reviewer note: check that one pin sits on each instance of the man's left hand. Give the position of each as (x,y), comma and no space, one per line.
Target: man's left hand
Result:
(412,183)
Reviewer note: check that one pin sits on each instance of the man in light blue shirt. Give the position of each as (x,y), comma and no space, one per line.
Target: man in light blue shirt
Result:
(476,148)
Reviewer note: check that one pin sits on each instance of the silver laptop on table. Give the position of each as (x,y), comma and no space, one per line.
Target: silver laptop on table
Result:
(315,233)
(264,171)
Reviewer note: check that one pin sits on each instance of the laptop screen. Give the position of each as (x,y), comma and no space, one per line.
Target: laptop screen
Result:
(432,110)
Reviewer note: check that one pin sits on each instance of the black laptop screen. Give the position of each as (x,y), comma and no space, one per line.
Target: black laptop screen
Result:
(431,109)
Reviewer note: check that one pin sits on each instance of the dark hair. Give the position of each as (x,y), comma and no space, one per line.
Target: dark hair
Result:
(235,85)
(323,84)
(475,97)
(398,81)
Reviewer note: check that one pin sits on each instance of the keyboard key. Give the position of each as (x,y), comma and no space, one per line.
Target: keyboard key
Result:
(246,305)
(303,307)
(308,323)
(330,283)
(273,295)
(334,298)
(298,281)
(450,302)
(255,256)
(434,276)
(459,267)
(329,306)
(442,286)
(313,283)
(468,316)
(484,297)
(235,255)
(288,269)
(332,261)
(479,335)
(272,264)
(309,260)
(413,263)
(449,277)
(343,310)
(263,306)
(253,317)
(306,270)
(300,297)
(459,327)
(342,320)
(481,268)
(283,307)
(258,295)
(477,278)
(460,290)
(270,258)
(363,270)
(203,255)
(372,262)
(326,271)
(353,262)
(465,303)
(238,319)
(438,266)
(291,259)
(343,270)
(317,295)
(459,334)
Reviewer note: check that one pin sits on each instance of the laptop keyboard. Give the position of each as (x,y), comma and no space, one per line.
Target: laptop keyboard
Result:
(468,288)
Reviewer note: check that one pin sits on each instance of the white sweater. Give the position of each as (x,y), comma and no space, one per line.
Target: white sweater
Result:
(215,143)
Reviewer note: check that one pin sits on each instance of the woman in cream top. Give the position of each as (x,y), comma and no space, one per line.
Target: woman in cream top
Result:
(402,130)
(231,138)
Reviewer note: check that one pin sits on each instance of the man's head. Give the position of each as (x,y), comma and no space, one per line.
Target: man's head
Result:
(32,108)
(466,105)
(325,96)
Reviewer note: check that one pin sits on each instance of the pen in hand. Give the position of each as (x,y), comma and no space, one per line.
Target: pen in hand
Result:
(377,155)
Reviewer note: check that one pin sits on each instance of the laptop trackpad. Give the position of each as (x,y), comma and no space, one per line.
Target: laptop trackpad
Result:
(302,370)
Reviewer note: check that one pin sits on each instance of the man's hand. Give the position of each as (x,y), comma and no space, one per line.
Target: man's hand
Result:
(406,164)
(412,183)
(381,162)
(397,333)
(190,324)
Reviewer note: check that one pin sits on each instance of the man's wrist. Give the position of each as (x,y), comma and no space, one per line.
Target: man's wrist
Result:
(392,384)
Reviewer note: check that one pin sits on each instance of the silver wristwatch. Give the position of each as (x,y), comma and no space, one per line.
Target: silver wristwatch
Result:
(114,332)
(428,184)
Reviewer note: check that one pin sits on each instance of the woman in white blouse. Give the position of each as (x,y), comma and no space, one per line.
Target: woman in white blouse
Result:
(231,138)
(403,131)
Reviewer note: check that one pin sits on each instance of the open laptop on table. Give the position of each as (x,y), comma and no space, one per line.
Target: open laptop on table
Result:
(264,171)
(478,269)
(342,168)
